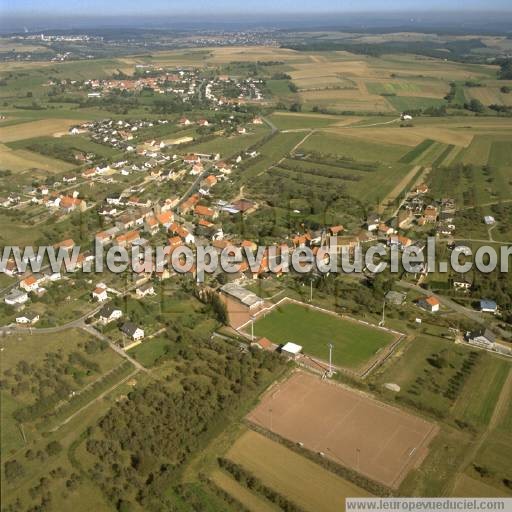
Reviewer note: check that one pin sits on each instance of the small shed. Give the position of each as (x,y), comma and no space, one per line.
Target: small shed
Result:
(291,349)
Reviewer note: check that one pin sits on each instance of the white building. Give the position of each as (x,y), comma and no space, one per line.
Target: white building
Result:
(291,349)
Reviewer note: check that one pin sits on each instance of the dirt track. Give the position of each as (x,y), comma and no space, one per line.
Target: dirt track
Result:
(375,439)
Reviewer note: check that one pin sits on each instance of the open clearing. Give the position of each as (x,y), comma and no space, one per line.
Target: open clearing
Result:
(354,343)
(35,129)
(302,481)
(352,429)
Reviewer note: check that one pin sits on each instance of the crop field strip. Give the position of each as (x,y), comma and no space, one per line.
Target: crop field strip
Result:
(296,477)
(417,151)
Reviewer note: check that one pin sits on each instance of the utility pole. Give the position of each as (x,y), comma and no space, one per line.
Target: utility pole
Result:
(311,290)
(252,328)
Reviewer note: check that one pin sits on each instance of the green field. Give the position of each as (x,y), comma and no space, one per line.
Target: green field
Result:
(477,401)
(353,147)
(415,153)
(289,121)
(405,103)
(492,462)
(149,351)
(354,343)
(392,87)
(441,378)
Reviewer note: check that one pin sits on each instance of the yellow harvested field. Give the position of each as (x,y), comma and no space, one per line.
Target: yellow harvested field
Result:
(405,136)
(34,129)
(309,485)
(347,68)
(323,82)
(338,120)
(23,160)
(489,95)
(224,55)
(347,99)
(247,498)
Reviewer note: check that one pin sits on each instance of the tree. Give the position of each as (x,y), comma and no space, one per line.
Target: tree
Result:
(53,448)
(476,106)
(505,72)
(13,470)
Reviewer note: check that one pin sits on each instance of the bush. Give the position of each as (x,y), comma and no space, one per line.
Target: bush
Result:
(53,448)
(13,470)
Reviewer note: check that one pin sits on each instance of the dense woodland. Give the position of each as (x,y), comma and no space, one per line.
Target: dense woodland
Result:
(145,440)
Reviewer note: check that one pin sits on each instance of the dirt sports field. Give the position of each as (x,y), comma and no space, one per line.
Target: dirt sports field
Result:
(375,439)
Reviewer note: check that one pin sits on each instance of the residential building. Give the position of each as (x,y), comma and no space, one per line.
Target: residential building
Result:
(132,331)
(430,304)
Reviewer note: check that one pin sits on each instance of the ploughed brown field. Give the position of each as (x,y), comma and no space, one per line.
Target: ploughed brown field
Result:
(377,440)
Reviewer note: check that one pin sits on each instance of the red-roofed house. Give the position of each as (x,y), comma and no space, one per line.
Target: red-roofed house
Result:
(204,211)
(430,304)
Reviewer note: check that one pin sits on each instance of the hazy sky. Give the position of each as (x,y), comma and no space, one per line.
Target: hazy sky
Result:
(152,7)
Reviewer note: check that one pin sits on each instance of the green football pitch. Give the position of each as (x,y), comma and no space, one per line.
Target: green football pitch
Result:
(353,343)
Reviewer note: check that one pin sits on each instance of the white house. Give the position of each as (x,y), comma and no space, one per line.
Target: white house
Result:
(131,330)
(16,297)
(27,318)
(100,294)
(109,313)
(145,290)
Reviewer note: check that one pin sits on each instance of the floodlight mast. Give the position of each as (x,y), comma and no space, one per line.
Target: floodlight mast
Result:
(382,322)
(330,345)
